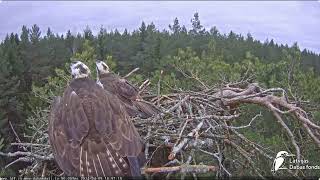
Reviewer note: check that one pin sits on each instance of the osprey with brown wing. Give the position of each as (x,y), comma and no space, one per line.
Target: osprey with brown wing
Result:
(125,91)
(90,132)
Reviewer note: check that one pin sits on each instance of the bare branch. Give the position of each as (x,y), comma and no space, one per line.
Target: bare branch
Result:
(130,73)
(28,154)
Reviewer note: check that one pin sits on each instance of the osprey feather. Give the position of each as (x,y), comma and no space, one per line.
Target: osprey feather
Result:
(125,91)
(90,132)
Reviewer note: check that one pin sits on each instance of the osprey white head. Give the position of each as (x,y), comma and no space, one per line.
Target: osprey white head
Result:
(79,70)
(102,67)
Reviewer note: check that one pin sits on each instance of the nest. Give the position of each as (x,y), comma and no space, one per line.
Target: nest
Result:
(193,134)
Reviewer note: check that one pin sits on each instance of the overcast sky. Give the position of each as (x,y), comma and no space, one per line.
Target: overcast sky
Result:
(285,21)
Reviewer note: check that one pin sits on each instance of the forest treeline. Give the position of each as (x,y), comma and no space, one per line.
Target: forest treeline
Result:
(32,62)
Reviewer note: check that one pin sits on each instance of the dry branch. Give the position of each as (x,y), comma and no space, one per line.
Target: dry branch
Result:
(27,154)
(194,123)
(130,73)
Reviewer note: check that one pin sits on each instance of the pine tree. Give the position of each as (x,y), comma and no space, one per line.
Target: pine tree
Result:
(101,44)
(214,31)
(143,35)
(175,28)
(197,28)
(25,55)
(35,34)
(49,34)
(11,74)
(88,34)
(70,42)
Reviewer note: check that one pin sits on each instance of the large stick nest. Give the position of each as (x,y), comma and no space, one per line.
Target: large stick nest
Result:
(195,133)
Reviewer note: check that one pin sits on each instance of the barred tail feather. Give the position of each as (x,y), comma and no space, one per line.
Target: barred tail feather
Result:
(101,161)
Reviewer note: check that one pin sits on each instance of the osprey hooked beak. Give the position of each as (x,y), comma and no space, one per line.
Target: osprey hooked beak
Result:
(101,67)
(79,70)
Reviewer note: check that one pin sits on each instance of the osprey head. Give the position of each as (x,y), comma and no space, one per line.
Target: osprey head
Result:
(101,67)
(79,70)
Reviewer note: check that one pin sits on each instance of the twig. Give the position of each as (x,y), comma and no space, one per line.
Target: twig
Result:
(129,74)
(178,104)
(30,144)
(23,159)
(218,158)
(159,87)
(217,117)
(246,156)
(245,126)
(20,153)
(44,169)
(15,133)
(146,151)
(143,84)
(178,146)
(289,132)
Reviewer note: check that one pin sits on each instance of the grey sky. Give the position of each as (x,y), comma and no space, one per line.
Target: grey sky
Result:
(285,21)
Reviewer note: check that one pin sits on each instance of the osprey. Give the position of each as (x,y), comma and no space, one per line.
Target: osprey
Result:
(90,132)
(125,91)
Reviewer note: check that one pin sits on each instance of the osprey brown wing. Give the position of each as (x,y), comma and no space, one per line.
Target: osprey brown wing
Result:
(76,121)
(126,89)
(90,133)
(68,126)
(120,86)
(128,94)
(57,136)
(124,137)
(63,146)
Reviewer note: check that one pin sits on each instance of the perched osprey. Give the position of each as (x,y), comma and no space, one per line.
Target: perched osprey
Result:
(90,132)
(126,92)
